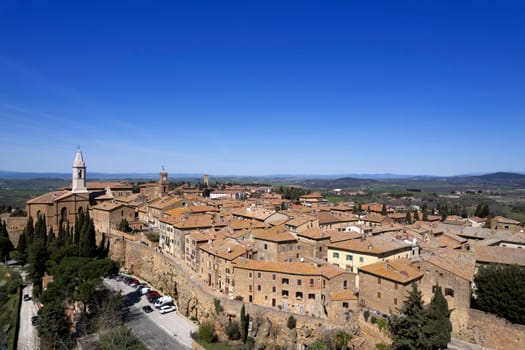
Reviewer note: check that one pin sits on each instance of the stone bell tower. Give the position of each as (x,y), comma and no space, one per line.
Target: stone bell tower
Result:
(79,174)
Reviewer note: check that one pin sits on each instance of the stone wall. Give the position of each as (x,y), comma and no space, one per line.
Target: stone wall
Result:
(491,331)
(197,302)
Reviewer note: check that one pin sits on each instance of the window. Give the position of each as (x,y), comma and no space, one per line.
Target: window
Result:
(227,270)
(378,280)
(378,295)
(311,296)
(336,255)
(273,277)
(345,305)
(284,294)
(345,284)
(298,247)
(273,289)
(320,249)
(311,282)
(265,246)
(395,285)
(395,301)
(449,292)
(283,248)
(361,259)
(258,275)
(250,288)
(250,275)
(299,282)
(285,281)
(299,295)
(348,257)
(259,287)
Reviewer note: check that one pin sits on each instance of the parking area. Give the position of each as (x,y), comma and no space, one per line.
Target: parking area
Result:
(172,323)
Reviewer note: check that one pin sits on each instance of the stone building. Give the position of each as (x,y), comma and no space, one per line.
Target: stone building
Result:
(298,287)
(383,286)
(276,244)
(216,263)
(108,215)
(61,207)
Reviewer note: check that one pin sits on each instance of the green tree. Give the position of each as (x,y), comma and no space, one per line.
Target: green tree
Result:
(425,215)
(29,230)
(318,345)
(437,327)
(124,225)
(233,330)
(37,255)
(6,246)
(408,218)
(207,332)
(499,290)
(53,326)
(341,340)
(383,210)
(407,327)
(291,322)
(416,216)
(87,245)
(245,320)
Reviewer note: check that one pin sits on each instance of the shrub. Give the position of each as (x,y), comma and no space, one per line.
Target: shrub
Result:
(218,307)
(207,332)
(239,297)
(232,330)
(291,322)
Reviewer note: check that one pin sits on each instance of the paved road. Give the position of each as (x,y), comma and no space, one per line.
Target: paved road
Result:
(156,331)
(27,334)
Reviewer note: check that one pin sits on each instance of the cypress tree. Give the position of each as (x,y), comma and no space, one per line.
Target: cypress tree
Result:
(38,251)
(6,245)
(407,327)
(416,216)
(438,328)
(22,246)
(425,215)
(30,230)
(408,218)
(383,210)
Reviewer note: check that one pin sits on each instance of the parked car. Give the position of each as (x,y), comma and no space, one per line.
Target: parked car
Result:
(147,309)
(167,308)
(163,301)
(154,299)
(133,282)
(145,290)
(34,320)
(27,297)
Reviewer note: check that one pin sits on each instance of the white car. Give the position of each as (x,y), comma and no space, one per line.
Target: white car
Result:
(167,308)
(145,290)
(163,301)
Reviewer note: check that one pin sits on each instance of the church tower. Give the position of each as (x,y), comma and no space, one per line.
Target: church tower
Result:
(164,183)
(79,174)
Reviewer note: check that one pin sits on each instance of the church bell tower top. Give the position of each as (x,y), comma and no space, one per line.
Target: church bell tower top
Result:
(79,160)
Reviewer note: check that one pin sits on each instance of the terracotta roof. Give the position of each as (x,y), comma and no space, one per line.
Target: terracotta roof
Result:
(293,268)
(500,255)
(300,220)
(176,212)
(224,248)
(374,245)
(107,206)
(395,270)
(203,209)
(314,233)
(326,218)
(254,213)
(274,234)
(162,203)
(459,263)
(504,220)
(342,295)
(245,224)
(340,236)
(202,236)
(51,197)
(374,218)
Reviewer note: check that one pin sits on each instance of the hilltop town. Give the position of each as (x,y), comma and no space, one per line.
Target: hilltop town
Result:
(347,265)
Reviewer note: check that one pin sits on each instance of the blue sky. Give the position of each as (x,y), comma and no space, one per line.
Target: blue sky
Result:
(262,87)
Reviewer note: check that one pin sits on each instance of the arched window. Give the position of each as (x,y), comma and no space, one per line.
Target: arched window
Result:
(63,214)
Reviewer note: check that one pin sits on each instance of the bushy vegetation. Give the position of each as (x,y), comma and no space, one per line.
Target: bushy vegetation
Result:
(10,296)
(421,328)
(500,290)
(291,323)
